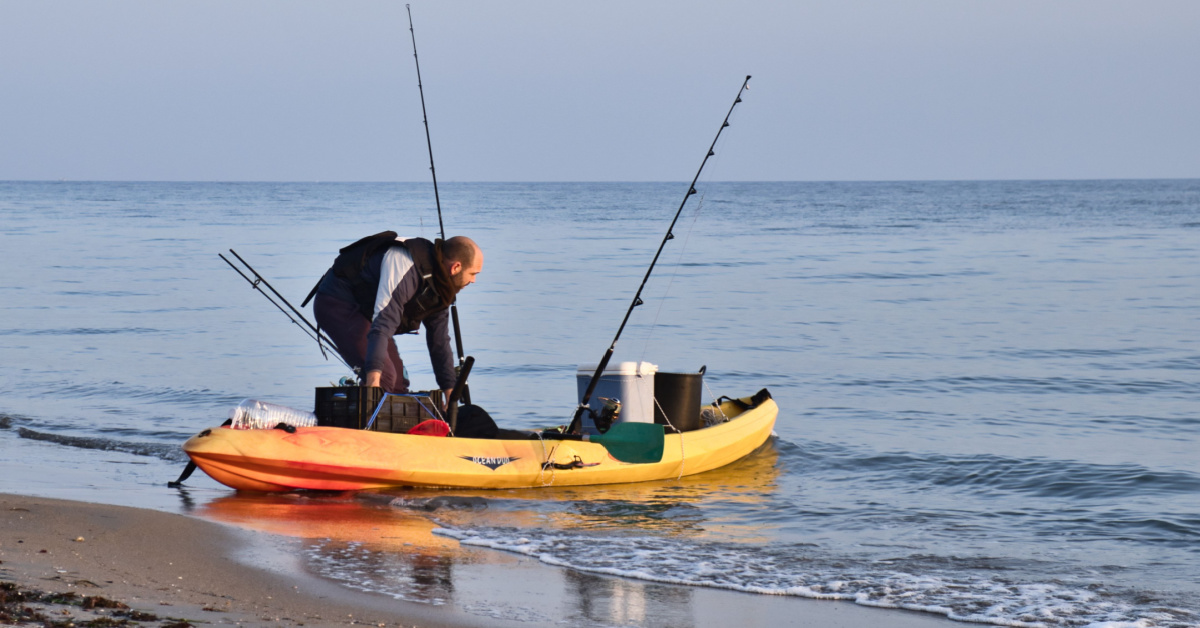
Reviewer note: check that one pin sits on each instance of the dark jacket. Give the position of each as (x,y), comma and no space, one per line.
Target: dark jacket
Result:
(406,299)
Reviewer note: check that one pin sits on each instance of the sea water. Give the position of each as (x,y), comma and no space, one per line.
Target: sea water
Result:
(989,392)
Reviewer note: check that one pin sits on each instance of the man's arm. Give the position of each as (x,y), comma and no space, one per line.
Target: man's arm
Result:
(441,356)
(387,320)
(437,339)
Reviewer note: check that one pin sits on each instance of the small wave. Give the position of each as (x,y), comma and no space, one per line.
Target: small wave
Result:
(101,293)
(527,368)
(8,419)
(1074,353)
(894,276)
(172,310)
(710,264)
(1040,477)
(171,453)
(1027,385)
(77,331)
(431,504)
(1178,426)
(1147,529)
(204,397)
(1189,363)
(838,226)
(961,589)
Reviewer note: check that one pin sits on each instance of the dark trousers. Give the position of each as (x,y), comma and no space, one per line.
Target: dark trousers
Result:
(348,328)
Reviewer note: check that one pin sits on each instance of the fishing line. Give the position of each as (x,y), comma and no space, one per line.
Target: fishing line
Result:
(637,297)
(458,343)
(662,301)
(708,179)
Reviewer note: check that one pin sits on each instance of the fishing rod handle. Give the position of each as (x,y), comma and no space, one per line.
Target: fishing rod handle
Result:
(459,387)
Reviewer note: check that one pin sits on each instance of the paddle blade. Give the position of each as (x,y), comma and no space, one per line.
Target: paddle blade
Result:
(633,442)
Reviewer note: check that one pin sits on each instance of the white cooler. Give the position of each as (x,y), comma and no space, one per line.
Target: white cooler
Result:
(630,382)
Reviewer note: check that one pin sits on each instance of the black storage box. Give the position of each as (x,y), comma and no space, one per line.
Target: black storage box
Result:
(352,407)
(678,395)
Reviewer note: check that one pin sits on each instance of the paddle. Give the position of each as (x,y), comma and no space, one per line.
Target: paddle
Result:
(636,443)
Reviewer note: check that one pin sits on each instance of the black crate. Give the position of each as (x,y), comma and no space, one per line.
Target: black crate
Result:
(352,407)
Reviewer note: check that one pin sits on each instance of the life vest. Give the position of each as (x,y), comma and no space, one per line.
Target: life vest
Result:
(433,292)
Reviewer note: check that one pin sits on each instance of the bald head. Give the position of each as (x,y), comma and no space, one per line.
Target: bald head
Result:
(461,249)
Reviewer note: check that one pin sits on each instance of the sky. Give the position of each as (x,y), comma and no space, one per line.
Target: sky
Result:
(532,90)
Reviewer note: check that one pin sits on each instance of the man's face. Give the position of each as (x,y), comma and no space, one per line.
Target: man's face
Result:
(461,276)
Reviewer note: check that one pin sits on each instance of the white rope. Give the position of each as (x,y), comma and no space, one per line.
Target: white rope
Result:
(545,459)
(716,404)
(682,454)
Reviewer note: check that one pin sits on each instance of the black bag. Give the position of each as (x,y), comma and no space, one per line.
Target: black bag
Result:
(475,422)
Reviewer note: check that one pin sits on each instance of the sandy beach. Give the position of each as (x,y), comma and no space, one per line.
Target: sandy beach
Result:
(171,566)
(182,569)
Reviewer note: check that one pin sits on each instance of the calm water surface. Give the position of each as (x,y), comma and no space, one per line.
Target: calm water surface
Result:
(989,390)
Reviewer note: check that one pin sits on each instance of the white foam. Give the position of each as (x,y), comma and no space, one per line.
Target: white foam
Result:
(801,572)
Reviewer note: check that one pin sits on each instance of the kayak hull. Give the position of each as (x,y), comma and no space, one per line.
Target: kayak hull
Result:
(339,459)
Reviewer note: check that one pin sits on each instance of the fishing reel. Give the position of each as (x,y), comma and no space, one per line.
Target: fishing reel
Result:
(608,414)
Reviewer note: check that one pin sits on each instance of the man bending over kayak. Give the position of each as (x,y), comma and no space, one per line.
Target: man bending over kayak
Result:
(385,285)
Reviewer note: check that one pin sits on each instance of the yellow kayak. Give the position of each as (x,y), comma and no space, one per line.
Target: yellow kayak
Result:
(340,459)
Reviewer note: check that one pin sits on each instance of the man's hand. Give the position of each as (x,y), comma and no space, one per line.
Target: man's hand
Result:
(446,399)
(373,378)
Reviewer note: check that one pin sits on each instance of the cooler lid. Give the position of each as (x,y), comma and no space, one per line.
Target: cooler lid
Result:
(621,368)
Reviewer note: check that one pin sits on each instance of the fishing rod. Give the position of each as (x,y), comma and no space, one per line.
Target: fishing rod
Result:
(311,330)
(458,345)
(637,298)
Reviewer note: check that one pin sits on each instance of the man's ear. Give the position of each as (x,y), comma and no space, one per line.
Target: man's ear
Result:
(454,267)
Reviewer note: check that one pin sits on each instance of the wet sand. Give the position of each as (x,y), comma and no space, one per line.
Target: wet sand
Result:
(172,566)
(183,568)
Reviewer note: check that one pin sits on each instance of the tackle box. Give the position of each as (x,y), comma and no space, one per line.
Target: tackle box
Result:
(353,406)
